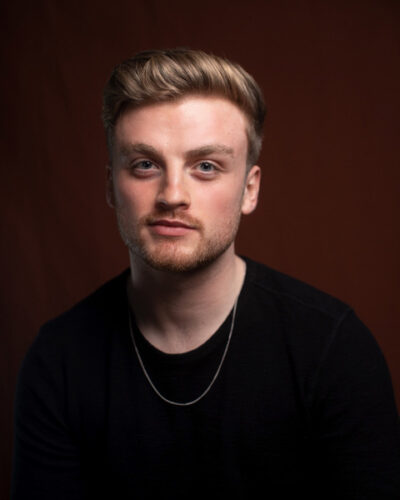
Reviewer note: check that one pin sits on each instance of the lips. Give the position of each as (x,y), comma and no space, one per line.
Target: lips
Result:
(170,227)
(170,223)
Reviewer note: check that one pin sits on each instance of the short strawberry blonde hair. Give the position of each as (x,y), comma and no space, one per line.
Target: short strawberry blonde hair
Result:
(165,75)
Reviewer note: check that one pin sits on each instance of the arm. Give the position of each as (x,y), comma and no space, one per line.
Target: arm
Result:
(356,425)
(46,456)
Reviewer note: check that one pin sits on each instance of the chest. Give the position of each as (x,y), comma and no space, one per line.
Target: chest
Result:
(247,427)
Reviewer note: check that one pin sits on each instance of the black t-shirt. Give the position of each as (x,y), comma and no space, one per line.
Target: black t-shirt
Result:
(303,404)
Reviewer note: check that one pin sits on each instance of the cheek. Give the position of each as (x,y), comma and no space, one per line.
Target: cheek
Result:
(223,204)
(130,196)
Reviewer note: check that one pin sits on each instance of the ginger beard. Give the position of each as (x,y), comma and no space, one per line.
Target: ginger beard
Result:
(177,254)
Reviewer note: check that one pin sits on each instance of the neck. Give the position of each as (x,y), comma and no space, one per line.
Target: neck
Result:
(177,312)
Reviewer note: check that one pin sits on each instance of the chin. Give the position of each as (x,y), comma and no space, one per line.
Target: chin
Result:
(177,261)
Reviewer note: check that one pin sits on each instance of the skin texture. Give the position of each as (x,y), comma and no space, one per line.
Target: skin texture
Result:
(179,185)
(188,169)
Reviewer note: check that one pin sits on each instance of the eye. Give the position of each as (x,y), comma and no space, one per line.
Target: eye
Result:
(206,167)
(144,165)
(143,168)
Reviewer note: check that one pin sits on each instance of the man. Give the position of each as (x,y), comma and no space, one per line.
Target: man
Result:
(199,372)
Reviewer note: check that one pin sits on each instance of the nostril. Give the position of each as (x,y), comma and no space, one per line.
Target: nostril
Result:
(173,197)
(170,203)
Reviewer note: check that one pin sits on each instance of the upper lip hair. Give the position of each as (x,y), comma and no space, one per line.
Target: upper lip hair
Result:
(170,222)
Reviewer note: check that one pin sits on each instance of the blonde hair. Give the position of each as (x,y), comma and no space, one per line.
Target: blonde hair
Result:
(164,75)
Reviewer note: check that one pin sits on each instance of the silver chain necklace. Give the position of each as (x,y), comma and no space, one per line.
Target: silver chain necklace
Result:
(188,403)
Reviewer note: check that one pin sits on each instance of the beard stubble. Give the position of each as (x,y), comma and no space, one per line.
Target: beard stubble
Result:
(173,254)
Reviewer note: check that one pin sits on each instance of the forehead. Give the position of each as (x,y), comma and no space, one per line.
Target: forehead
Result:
(187,123)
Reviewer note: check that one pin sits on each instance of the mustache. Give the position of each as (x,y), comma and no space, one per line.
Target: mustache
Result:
(186,219)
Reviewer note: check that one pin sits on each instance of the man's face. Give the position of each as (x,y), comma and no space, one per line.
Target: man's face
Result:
(178,181)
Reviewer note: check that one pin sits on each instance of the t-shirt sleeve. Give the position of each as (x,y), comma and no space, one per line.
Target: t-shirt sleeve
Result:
(46,463)
(356,424)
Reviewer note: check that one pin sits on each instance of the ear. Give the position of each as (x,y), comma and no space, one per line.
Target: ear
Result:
(110,197)
(251,190)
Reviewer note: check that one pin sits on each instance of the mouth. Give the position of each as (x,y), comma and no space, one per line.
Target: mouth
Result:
(170,223)
(171,227)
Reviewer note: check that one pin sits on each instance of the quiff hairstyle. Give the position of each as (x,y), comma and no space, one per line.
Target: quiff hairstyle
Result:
(156,76)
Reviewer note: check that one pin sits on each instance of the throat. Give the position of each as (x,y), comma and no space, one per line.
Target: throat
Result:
(181,316)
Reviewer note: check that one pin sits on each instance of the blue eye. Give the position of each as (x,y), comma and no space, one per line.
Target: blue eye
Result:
(144,165)
(144,168)
(206,166)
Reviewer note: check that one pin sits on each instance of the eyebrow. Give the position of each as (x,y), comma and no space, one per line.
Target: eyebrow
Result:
(209,149)
(141,148)
(206,150)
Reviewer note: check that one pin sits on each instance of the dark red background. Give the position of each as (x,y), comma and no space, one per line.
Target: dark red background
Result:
(330,202)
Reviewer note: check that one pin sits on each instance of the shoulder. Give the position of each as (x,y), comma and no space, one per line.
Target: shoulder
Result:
(85,329)
(330,349)
(308,321)
(292,294)
(316,328)
(97,309)
(66,368)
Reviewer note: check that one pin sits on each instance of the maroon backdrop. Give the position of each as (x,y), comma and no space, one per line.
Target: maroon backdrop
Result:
(330,202)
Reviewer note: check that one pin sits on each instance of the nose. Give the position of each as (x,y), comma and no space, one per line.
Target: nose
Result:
(173,192)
